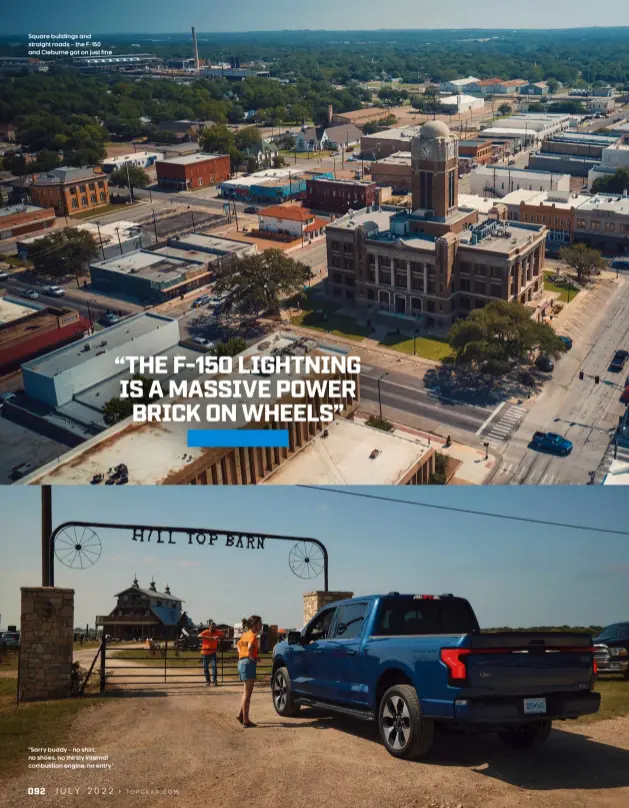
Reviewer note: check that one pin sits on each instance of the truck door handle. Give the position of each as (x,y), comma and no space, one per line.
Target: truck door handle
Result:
(350,652)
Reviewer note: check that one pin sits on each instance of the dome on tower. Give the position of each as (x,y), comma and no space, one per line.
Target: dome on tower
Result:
(433,129)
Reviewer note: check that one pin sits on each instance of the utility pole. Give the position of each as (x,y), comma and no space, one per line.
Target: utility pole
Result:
(100,240)
(129,182)
(47,574)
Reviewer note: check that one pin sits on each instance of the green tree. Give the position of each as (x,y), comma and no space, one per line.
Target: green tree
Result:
(232,347)
(501,336)
(583,259)
(370,128)
(117,408)
(129,177)
(219,139)
(249,136)
(504,109)
(615,183)
(257,283)
(64,252)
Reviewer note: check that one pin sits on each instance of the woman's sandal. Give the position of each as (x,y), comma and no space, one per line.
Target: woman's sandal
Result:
(249,724)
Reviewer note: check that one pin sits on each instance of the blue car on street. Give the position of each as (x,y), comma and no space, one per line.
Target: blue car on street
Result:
(551,442)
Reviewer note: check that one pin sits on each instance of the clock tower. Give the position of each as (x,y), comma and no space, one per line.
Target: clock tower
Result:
(435,170)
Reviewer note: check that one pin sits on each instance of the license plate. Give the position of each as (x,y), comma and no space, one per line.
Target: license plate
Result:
(534,706)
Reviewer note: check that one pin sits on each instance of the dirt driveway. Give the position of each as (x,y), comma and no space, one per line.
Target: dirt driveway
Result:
(189,741)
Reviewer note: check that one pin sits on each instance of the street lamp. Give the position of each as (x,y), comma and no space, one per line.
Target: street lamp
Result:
(414,343)
(486,445)
(380,378)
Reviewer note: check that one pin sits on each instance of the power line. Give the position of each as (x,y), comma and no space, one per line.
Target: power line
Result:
(468,511)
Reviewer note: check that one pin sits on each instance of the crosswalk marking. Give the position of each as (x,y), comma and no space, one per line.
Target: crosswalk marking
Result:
(505,425)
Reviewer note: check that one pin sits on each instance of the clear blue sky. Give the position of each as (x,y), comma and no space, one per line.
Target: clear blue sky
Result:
(513,573)
(164,16)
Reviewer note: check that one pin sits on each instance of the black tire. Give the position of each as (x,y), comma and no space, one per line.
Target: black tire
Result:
(282,694)
(625,675)
(405,733)
(528,736)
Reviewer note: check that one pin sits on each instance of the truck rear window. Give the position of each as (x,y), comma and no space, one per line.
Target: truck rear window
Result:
(400,616)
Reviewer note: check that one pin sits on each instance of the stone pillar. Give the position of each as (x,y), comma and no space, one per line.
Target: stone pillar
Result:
(377,268)
(313,601)
(408,276)
(47,627)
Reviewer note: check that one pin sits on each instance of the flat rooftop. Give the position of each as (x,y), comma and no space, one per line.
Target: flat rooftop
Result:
(191,256)
(381,218)
(114,338)
(518,172)
(272,175)
(545,199)
(146,264)
(12,309)
(108,232)
(397,158)
(153,452)
(17,210)
(508,237)
(399,133)
(612,203)
(190,159)
(343,458)
(202,242)
(482,203)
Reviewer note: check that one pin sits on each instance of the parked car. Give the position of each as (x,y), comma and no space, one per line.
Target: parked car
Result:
(31,294)
(11,639)
(611,649)
(55,291)
(200,301)
(567,341)
(251,209)
(21,470)
(3,275)
(545,364)
(620,263)
(204,343)
(109,318)
(619,360)
(551,442)
(412,663)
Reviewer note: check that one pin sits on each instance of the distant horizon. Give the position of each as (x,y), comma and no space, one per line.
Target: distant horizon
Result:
(76,16)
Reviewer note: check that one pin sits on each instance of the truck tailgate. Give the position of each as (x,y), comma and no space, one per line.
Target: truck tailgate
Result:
(527,663)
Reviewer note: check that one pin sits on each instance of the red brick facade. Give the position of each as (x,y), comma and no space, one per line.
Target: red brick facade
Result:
(199,172)
(338,196)
(29,222)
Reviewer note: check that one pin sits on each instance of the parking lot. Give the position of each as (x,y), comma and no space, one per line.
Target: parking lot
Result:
(20,444)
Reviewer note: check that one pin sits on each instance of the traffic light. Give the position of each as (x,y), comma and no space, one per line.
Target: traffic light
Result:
(596,379)
(581,375)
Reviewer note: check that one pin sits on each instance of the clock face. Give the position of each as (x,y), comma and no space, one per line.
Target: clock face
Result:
(426,150)
(450,151)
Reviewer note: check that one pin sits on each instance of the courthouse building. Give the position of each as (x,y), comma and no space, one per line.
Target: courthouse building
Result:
(436,263)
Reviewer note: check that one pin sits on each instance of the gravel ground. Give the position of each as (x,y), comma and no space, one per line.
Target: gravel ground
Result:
(188,741)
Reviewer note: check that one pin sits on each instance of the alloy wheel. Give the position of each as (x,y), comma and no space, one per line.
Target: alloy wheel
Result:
(280,691)
(396,720)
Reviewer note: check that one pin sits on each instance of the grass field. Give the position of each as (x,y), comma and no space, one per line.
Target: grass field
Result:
(33,724)
(614,700)
(341,325)
(564,289)
(95,212)
(427,347)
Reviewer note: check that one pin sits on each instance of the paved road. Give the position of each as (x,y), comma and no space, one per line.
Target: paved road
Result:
(584,412)
(408,394)
(98,304)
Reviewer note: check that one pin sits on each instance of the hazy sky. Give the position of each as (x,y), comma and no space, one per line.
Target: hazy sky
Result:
(163,16)
(513,573)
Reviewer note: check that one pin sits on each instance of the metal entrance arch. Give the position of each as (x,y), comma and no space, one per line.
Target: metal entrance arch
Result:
(70,546)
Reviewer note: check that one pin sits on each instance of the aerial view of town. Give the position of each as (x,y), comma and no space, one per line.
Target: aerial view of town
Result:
(450,206)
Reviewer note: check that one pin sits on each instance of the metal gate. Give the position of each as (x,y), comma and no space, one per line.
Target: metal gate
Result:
(136,666)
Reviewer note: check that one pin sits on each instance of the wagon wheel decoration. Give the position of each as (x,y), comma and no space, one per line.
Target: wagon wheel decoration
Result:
(306,560)
(77,547)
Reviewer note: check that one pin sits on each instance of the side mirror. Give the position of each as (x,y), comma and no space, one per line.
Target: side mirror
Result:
(293,637)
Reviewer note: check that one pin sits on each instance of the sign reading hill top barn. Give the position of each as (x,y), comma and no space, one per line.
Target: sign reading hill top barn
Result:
(244,541)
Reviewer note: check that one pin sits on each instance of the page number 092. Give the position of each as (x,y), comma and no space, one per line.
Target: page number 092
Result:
(37,791)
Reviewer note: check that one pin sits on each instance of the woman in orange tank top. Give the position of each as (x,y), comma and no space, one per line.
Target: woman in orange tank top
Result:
(248,652)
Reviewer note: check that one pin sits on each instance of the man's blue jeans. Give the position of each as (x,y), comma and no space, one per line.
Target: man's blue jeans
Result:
(209,659)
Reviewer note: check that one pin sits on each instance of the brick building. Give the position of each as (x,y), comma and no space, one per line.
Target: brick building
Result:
(338,196)
(70,190)
(394,171)
(193,171)
(20,219)
(38,332)
(427,267)
(479,151)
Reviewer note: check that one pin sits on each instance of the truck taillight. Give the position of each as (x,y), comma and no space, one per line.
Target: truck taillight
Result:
(454,659)
(594,668)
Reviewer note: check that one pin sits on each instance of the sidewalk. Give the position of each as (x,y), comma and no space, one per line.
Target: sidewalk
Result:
(473,468)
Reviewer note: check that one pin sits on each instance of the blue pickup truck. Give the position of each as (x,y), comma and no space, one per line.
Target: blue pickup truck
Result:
(551,442)
(416,662)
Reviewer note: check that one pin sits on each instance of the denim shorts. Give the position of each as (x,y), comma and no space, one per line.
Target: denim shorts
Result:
(246,669)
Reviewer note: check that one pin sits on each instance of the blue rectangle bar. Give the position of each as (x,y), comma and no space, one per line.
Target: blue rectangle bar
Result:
(238,438)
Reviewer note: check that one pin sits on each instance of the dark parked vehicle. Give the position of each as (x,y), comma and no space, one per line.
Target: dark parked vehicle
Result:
(413,663)
(567,341)
(11,639)
(619,360)
(21,470)
(545,364)
(611,649)
(251,209)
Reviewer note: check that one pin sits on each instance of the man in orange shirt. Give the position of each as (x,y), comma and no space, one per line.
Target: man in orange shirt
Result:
(209,646)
